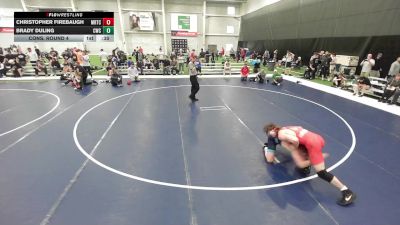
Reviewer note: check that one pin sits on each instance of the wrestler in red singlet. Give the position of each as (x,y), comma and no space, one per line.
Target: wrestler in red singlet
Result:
(312,141)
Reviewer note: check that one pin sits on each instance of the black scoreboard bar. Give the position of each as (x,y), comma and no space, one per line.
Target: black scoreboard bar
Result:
(60,30)
(76,15)
(63,26)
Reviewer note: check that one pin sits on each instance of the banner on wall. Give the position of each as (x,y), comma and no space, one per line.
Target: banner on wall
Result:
(7,20)
(184,22)
(142,21)
(6,30)
(183,34)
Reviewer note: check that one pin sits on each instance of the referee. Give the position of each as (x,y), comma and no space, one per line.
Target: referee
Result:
(193,80)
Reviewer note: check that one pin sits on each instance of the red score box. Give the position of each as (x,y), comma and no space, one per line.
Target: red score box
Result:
(108,21)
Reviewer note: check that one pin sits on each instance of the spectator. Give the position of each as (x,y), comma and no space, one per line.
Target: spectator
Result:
(147,64)
(298,63)
(2,68)
(231,53)
(40,66)
(266,57)
(156,64)
(136,51)
(192,55)
(197,64)
(174,67)
(242,54)
(38,53)
(173,55)
(55,65)
(237,55)
(84,74)
(367,65)
(140,66)
(166,67)
(74,58)
(325,61)
(244,72)
(16,68)
(213,57)
(260,77)
(313,66)
(103,57)
(79,56)
(289,58)
(363,84)
(116,78)
(53,52)
(377,68)
(332,68)
(21,58)
(32,56)
(133,73)
(114,60)
(129,63)
(67,65)
(394,69)
(202,55)
(393,89)
(227,67)
(208,56)
(275,57)
(339,80)
(277,78)
(86,63)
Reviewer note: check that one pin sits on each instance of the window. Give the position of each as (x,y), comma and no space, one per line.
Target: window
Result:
(231,10)
(230,29)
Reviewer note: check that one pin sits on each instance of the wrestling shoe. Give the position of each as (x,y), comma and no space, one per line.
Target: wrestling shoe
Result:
(348,197)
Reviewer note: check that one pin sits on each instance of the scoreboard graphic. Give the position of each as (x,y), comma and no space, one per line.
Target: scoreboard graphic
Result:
(63,26)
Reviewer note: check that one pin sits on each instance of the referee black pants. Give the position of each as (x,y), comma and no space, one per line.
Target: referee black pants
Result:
(88,70)
(195,86)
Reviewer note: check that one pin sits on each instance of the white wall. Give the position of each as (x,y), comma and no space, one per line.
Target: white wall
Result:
(254,5)
(6,39)
(214,25)
(149,41)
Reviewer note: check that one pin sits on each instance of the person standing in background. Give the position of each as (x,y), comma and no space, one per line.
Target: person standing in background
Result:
(377,68)
(32,56)
(265,57)
(394,69)
(86,63)
(2,68)
(38,52)
(103,57)
(332,67)
(21,57)
(366,66)
(275,57)
(181,62)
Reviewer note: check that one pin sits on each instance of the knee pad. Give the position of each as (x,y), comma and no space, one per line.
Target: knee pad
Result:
(325,175)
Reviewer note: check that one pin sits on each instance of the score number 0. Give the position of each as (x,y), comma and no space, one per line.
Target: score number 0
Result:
(108,25)
(108,21)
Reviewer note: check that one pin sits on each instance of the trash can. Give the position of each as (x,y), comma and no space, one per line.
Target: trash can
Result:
(346,71)
(271,65)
